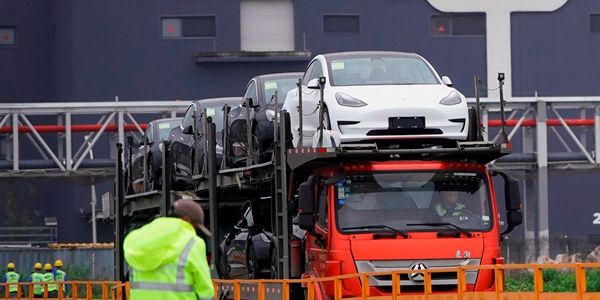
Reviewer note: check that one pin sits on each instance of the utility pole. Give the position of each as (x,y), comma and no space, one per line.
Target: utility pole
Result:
(94,234)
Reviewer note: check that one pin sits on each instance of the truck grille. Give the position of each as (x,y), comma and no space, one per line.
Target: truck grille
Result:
(444,281)
(418,288)
(434,276)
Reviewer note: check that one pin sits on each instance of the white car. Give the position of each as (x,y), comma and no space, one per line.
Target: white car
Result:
(378,95)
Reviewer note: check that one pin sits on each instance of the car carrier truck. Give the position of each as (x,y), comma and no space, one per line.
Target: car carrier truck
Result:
(369,208)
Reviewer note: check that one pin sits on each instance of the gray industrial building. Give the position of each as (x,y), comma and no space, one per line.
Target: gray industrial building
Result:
(96,51)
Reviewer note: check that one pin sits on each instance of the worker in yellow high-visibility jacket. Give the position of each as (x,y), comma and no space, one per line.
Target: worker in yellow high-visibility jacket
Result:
(449,205)
(9,277)
(168,259)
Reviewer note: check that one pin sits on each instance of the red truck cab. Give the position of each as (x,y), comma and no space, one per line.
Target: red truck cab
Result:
(404,215)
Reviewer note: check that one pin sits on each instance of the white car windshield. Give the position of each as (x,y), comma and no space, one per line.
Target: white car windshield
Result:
(380,71)
(412,201)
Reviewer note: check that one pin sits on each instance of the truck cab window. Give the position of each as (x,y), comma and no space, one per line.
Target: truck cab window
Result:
(396,199)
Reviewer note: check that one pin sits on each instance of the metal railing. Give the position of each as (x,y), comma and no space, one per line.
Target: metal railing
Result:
(264,289)
(74,289)
(28,235)
(280,288)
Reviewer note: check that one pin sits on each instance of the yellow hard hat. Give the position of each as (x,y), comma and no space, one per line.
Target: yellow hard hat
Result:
(47,267)
(58,263)
(10,266)
(38,266)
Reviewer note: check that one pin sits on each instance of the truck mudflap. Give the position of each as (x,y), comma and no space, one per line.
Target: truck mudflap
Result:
(319,289)
(249,291)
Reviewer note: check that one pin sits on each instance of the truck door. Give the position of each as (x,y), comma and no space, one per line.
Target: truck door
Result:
(318,248)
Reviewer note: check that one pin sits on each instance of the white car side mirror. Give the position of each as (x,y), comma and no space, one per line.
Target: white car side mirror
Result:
(446,80)
(313,84)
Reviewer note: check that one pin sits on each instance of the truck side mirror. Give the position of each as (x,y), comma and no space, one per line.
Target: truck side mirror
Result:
(512,195)
(307,206)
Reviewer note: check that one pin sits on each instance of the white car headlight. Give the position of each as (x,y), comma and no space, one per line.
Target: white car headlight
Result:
(160,147)
(452,99)
(345,100)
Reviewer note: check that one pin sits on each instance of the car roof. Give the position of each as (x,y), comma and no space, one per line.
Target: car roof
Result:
(167,120)
(279,75)
(218,101)
(337,55)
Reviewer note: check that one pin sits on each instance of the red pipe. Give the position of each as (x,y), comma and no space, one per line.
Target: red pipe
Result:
(74,128)
(132,127)
(549,122)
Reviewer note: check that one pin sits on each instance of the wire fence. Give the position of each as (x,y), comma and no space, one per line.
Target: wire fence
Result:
(556,249)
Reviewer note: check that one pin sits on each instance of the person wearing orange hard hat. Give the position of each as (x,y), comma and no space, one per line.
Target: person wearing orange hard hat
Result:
(37,276)
(9,277)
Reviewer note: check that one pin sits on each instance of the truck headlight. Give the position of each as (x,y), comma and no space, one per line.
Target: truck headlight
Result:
(345,100)
(452,99)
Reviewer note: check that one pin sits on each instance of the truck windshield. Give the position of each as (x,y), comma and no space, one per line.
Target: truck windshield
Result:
(397,199)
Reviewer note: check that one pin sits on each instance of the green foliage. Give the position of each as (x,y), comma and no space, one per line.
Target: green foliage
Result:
(554,281)
(519,283)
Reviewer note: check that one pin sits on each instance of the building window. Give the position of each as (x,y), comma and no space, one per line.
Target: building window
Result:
(8,36)
(189,27)
(458,25)
(341,24)
(595,22)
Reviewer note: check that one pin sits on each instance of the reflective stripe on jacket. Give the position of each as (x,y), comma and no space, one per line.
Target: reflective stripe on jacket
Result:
(169,281)
(12,277)
(441,210)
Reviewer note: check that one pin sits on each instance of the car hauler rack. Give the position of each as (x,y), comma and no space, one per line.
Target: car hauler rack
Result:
(282,178)
(290,169)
